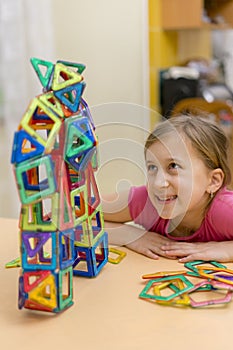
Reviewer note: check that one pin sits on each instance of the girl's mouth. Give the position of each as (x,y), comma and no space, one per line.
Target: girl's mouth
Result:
(167,199)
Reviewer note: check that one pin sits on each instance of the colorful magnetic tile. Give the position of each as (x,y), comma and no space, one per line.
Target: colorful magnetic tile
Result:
(25,147)
(79,163)
(66,248)
(64,77)
(81,233)
(33,305)
(13,263)
(65,283)
(119,255)
(192,266)
(175,286)
(95,225)
(92,190)
(39,260)
(203,271)
(94,261)
(34,241)
(43,188)
(59,144)
(43,77)
(221,285)
(50,100)
(21,294)
(163,274)
(76,178)
(79,67)
(226,298)
(66,211)
(87,233)
(45,294)
(95,160)
(146,291)
(32,279)
(85,111)
(70,96)
(79,204)
(80,136)
(43,131)
(225,276)
(37,217)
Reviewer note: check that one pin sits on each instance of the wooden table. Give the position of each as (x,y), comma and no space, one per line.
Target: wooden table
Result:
(107,313)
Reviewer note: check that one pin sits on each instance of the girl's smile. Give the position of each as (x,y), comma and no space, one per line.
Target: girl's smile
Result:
(167,199)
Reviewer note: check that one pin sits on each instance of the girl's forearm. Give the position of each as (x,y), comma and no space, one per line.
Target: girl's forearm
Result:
(122,234)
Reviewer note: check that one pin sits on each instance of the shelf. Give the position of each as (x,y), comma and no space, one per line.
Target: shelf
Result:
(183,14)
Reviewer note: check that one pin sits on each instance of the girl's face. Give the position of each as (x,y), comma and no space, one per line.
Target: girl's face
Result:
(177,178)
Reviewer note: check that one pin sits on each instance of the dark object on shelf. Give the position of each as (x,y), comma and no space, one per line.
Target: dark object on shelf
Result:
(174,90)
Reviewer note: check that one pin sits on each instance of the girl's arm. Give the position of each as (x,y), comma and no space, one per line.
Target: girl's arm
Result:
(117,215)
(115,207)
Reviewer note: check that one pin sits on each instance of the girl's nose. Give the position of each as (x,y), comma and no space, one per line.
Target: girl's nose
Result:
(161,181)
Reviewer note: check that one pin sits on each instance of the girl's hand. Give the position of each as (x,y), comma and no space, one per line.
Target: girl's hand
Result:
(207,251)
(150,245)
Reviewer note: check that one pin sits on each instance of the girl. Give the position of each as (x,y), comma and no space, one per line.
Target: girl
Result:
(185,211)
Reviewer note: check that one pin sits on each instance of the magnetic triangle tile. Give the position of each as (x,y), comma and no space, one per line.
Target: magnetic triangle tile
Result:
(20,152)
(85,111)
(66,211)
(78,66)
(64,77)
(33,126)
(80,162)
(13,263)
(92,190)
(52,102)
(36,276)
(29,304)
(79,203)
(77,141)
(45,292)
(21,293)
(70,96)
(43,77)
(39,240)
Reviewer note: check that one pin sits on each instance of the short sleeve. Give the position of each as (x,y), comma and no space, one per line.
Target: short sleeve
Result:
(221,216)
(141,209)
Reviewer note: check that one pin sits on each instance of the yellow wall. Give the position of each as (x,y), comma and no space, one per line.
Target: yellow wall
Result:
(168,48)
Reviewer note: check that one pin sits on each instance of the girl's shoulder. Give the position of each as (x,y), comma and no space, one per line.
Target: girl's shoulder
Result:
(138,197)
(221,209)
(223,199)
(138,191)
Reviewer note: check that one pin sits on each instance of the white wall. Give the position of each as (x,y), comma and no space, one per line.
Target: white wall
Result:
(110,37)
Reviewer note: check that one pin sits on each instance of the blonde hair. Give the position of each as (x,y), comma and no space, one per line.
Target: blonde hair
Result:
(207,138)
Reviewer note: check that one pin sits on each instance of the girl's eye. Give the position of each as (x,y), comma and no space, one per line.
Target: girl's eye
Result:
(174,165)
(151,168)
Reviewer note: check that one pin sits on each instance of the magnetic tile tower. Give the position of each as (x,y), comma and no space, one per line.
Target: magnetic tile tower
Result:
(54,158)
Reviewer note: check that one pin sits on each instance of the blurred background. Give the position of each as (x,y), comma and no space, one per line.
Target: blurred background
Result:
(141,56)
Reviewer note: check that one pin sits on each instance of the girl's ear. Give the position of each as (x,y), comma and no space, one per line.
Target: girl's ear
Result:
(216,180)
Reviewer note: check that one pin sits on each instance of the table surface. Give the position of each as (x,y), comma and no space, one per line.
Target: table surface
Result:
(107,313)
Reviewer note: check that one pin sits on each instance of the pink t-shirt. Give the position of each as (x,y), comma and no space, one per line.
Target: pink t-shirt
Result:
(216,226)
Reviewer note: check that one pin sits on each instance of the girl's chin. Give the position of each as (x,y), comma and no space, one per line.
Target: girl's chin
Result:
(167,214)
(167,217)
